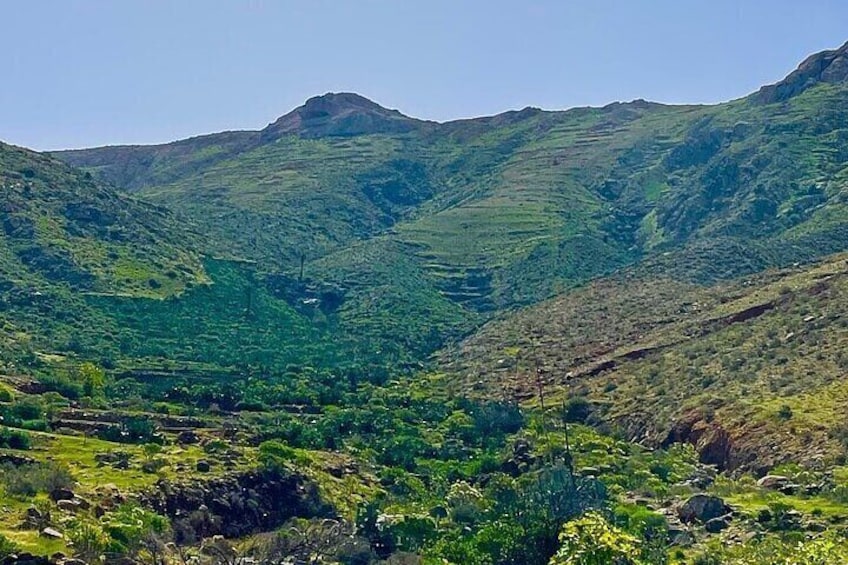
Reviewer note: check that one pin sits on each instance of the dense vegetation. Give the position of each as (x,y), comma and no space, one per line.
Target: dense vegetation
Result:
(222,347)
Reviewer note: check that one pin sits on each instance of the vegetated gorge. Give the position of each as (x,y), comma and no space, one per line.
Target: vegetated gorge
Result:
(598,336)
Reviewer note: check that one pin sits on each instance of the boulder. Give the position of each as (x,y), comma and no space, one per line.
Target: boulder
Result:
(680,537)
(52,533)
(774,482)
(710,439)
(68,505)
(716,525)
(61,494)
(187,437)
(25,559)
(815,527)
(702,508)
(203,466)
(34,515)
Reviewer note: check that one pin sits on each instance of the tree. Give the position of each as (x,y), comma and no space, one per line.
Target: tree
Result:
(591,540)
(93,379)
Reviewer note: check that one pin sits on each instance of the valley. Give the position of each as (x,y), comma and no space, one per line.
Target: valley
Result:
(358,337)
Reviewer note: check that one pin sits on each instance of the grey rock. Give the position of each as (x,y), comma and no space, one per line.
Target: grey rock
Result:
(52,533)
(716,525)
(702,508)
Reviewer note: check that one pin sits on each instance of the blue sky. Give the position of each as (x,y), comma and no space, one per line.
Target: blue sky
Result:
(79,73)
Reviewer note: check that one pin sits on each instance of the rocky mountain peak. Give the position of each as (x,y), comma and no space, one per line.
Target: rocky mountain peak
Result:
(824,67)
(339,114)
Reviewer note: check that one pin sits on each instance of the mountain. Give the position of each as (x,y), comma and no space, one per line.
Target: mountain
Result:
(410,234)
(666,360)
(430,222)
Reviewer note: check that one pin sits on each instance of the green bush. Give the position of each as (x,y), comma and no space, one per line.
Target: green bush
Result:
(29,480)
(7,547)
(577,410)
(274,455)
(14,439)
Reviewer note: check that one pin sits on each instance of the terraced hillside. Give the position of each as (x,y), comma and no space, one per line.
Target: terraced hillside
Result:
(502,211)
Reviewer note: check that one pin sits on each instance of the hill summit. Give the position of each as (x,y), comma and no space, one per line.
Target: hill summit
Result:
(339,114)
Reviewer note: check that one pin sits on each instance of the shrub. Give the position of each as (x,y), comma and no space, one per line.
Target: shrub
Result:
(274,455)
(130,526)
(88,539)
(14,439)
(577,410)
(29,480)
(7,547)
(591,540)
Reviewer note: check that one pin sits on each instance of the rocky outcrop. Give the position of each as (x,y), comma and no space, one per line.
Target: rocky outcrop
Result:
(710,439)
(828,67)
(237,505)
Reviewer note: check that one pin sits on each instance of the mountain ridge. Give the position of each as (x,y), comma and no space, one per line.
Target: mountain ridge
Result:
(828,66)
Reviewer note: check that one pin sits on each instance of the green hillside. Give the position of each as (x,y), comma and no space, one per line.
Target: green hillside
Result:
(655,356)
(511,209)
(600,335)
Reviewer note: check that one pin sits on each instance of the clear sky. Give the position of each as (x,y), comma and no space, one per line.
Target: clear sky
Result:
(77,73)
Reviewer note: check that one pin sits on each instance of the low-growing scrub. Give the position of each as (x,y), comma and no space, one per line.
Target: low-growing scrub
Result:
(32,478)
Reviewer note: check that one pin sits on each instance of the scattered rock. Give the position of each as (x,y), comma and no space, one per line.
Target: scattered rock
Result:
(680,537)
(815,527)
(25,559)
(186,437)
(790,520)
(702,507)
(52,533)
(61,494)
(68,505)
(775,482)
(237,505)
(34,519)
(716,525)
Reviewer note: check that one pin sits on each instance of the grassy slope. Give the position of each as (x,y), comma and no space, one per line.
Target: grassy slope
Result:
(650,353)
(60,226)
